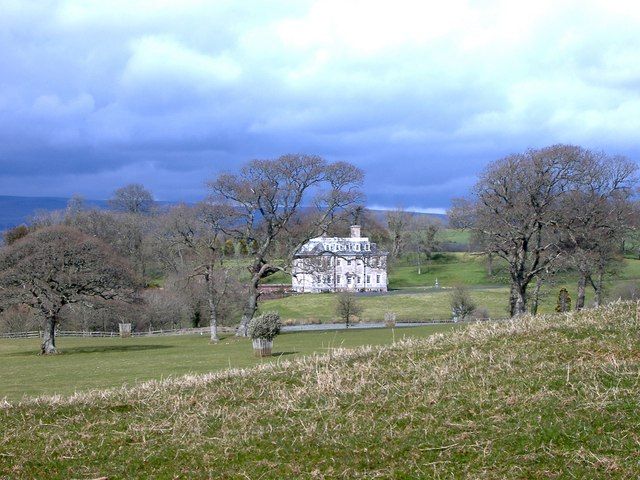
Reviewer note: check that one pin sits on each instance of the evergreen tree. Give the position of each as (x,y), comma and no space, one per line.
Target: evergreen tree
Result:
(564,301)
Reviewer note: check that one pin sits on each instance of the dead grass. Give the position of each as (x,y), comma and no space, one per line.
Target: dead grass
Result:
(537,397)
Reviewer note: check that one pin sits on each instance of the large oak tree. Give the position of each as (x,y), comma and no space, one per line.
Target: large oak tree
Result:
(279,204)
(516,212)
(58,266)
(559,203)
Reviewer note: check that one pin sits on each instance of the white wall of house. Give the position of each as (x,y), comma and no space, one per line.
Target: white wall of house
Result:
(340,264)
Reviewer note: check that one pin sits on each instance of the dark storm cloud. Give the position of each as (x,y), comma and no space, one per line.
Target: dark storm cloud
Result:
(95,95)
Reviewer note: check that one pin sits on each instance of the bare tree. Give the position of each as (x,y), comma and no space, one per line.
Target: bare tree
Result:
(267,199)
(461,214)
(75,205)
(398,224)
(58,266)
(195,233)
(347,306)
(18,318)
(423,240)
(560,203)
(132,198)
(462,305)
(596,216)
(128,233)
(515,212)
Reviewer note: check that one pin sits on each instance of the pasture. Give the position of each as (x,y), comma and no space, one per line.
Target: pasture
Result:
(98,363)
(413,298)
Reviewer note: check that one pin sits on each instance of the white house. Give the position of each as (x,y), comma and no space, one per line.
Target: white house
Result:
(335,264)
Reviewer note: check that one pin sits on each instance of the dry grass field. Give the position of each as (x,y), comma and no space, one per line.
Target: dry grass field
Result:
(552,396)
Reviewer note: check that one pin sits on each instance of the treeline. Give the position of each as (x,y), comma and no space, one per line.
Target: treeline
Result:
(543,212)
(94,268)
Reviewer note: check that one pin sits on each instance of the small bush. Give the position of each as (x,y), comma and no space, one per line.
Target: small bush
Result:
(462,306)
(14,234)
(480,313)
(389,319)
(265,326)
(347,307)
(564,301)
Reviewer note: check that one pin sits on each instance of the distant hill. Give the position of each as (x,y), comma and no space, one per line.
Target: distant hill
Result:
(15,210)
(380,215)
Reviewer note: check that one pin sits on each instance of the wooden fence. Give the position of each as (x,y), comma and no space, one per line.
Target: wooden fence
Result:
(149,333)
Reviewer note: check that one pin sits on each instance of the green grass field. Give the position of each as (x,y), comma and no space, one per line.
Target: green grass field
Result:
(543,397)
(448,268)
(413,299)
(90,363)
(453,235)
(414,306)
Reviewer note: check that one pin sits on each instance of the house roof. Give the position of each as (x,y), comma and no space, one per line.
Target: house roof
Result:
(339,246)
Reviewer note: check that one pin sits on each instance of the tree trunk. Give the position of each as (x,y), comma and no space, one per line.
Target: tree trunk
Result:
(396,246)
(598,287)
(536,297)
(48,346)
(518,297)
(490,264)
(249,309)
(582,284)
(512,300)
(213,321)
(520,301)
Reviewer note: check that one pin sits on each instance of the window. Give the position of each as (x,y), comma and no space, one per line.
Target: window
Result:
(318,280)
(368,278)
(327,279)
(337,261)
(348,262)
(348,280)
(358,246)
(358,280)
(337,278)
(377,278)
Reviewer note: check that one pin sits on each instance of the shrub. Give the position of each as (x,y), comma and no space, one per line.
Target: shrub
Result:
(347,307)
(389,319)
(265,326)
(14,234)
(462,306)
(480,313)
(564,301)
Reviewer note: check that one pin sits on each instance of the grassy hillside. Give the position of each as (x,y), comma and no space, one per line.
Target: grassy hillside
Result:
(449,268)
(543,397)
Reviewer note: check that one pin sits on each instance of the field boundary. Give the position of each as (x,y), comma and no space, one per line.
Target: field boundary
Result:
(99,334)
(310,327)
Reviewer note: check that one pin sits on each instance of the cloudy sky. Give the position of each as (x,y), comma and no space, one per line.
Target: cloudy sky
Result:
(94,95)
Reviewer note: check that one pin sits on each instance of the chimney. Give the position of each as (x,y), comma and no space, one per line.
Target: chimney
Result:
(355,231)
